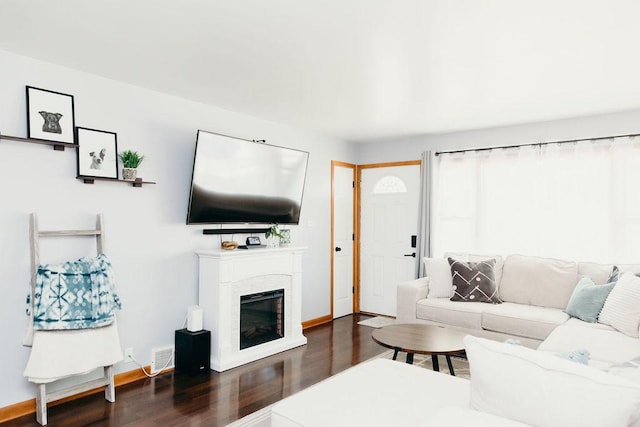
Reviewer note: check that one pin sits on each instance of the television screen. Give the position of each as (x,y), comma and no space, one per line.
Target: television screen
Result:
(240,181)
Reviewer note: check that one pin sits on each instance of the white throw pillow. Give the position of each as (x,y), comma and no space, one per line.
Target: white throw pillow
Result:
(542,389)
(439,274)
(621,309)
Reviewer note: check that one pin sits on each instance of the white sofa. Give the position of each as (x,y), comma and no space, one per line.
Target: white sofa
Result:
(511,385)
(535,292)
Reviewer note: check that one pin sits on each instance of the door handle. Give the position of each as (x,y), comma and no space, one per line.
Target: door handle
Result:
(412,255)
(338,249)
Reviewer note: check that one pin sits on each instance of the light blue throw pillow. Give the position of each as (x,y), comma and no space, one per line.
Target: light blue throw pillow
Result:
(587,300)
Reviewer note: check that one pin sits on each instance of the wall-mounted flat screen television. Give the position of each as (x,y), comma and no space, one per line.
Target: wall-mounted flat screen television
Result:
(240,181)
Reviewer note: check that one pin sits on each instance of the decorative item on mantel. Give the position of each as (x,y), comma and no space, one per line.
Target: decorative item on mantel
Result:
(130,162)
(285,237)
(229,245)
(273,236)
(277,237)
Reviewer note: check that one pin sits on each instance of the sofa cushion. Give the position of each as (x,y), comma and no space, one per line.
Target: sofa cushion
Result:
(606,345)
(442,310)
(523,320)
(379,392)
(622,308)
(474,281)
(541,389)
(439,273)
(544,282)
(599,273)
(587,299)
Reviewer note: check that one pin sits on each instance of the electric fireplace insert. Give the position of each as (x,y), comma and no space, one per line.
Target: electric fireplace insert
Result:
(261,318)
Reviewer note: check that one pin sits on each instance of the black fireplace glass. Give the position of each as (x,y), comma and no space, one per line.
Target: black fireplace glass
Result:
(261,318)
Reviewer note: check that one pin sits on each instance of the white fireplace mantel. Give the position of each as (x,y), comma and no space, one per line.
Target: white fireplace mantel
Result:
(225,276)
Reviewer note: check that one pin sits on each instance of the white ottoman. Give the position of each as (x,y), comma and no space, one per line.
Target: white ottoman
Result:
(380,392)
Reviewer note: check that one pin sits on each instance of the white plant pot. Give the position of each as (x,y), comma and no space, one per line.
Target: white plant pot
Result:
(273,242)
(129,174)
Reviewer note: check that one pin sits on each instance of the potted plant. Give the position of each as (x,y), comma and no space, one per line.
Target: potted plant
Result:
(130,162)
(276,236)
(273,236)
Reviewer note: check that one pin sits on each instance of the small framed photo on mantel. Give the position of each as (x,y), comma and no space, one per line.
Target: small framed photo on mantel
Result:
(97,153)
(50,115)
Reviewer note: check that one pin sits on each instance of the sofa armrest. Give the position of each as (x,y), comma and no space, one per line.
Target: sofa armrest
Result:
(409,293)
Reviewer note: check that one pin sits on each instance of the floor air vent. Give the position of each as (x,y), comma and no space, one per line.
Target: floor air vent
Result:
(162,358)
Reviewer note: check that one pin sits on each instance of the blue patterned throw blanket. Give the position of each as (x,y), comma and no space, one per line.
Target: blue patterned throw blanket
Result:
(75,295)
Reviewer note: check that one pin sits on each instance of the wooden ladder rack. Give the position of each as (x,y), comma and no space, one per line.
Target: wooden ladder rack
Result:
(42,396)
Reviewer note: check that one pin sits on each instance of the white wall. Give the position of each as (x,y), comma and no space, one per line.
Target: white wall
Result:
(151,248)
(586,127)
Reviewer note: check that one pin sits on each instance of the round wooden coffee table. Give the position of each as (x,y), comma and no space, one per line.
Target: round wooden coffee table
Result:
(421,339)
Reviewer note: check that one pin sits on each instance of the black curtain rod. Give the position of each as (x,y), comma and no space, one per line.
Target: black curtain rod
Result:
(566,141)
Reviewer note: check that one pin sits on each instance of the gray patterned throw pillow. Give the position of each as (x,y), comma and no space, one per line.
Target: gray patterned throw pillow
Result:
(474,281)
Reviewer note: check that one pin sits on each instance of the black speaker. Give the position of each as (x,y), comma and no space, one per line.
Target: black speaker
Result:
(193,350)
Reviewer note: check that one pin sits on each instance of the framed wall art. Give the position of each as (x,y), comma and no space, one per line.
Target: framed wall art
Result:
(97,153)
(50,115)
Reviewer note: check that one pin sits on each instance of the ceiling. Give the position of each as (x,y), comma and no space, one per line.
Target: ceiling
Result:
(358,70)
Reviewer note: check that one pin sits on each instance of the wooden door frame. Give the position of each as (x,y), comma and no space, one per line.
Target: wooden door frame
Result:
(359,168)
(354,169)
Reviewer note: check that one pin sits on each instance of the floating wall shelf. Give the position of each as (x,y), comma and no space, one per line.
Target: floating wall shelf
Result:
(91,179)
(58,146)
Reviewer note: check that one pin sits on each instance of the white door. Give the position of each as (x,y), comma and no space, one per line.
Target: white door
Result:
(388,220)
(343,234)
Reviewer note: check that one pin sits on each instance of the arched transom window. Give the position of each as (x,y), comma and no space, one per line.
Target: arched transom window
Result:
(389,184)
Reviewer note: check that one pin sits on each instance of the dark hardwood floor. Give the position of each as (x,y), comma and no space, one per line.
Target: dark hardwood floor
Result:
(216,399)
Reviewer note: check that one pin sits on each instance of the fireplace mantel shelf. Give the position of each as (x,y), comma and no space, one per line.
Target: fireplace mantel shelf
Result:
(219,253)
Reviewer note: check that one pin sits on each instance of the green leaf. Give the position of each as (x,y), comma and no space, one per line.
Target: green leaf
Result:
(130,159)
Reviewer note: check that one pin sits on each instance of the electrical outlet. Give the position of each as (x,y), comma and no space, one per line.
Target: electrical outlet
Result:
(128,354)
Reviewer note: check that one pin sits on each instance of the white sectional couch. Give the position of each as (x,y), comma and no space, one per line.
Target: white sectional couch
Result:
(510,385)
(535,292)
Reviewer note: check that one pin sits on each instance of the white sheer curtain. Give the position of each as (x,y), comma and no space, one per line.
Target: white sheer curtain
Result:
(574,201)
(423,242)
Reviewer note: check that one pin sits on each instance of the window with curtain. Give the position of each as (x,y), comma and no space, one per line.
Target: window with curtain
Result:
(577,201)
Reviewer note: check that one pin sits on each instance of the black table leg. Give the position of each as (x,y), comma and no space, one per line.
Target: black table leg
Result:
(395,353)
(410,358)
(450,365)
(434,362)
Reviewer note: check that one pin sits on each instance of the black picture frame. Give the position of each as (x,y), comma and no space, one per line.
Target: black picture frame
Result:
(97,153)
(50,115)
